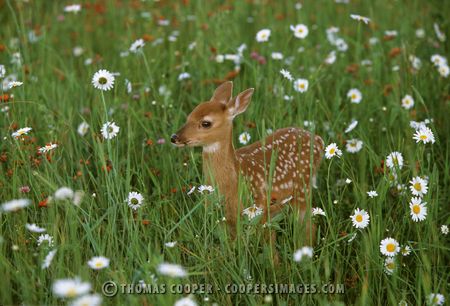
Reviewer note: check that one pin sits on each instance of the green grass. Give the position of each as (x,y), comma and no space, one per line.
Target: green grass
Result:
(57,96)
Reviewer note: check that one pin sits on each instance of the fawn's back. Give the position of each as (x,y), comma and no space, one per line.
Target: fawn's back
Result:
(291,156)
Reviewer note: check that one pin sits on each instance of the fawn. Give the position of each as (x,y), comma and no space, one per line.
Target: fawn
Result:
(210,125)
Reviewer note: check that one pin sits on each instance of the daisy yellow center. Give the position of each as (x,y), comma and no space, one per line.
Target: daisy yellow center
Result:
(300,30)
(390,266)
(353,96)
(110,129)
(71,292)
(301,85)
(390,247)
(423,137)
(98,264)
(102,80)
(417,186)
(416,209)
(359,218)
(252,210)
(353,144)
(134,201)
(332,150)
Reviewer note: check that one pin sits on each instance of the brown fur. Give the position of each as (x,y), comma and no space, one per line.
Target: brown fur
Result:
(292,167)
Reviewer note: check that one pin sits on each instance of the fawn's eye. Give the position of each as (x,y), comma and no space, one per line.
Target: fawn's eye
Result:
(206,124)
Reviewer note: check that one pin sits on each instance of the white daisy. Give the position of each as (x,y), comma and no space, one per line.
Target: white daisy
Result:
(170,244)
(351,126)
(34,228)
(394,160)
(45,237)
(14,84)
(418,186)
(332,150)
(83,128)
(98,262)
(48,148)
(2,71)
(424,134)
(407,102)
(110,130)
(244,138)
(137,45)
(48,259)
(439,34)
(172,270)
(436,299)
(64,193)
(389,247)
(389,265)
(444,229)
(20,132)
(444,70)
(416,62)
(87,300)
(372,194)
(183,76)
(438,60)
(301,85)
(191,190)
(360,218)
(341,45)
(316,211)
(70,288)
(103,80)
(305,251)
(300,30)
(15,205)
(205,189)
(77,197)
(405,250)
(418,209)
(391,33)
(186,301)
(263,35)
(354,95)
(73,8)
(135,200)
(277,56)
(360,18)
(285,73)
(77,51)
(353,145)
(252,211)
(331,58)
(420,33)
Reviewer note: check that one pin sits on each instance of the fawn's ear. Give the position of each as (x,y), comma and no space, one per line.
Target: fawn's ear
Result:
(223,93)
(240,103)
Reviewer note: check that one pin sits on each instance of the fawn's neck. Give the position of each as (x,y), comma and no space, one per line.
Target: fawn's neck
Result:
(219,163)
(220,168)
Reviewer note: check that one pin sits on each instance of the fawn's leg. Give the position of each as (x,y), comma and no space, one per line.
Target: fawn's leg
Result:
(269,235)
(307,228)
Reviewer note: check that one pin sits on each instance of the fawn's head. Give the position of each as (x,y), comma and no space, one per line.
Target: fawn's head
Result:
(211,121)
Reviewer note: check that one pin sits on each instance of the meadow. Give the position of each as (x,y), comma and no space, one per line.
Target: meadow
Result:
(84,202)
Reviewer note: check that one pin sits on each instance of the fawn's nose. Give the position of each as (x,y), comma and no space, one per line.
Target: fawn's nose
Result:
(174,138)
